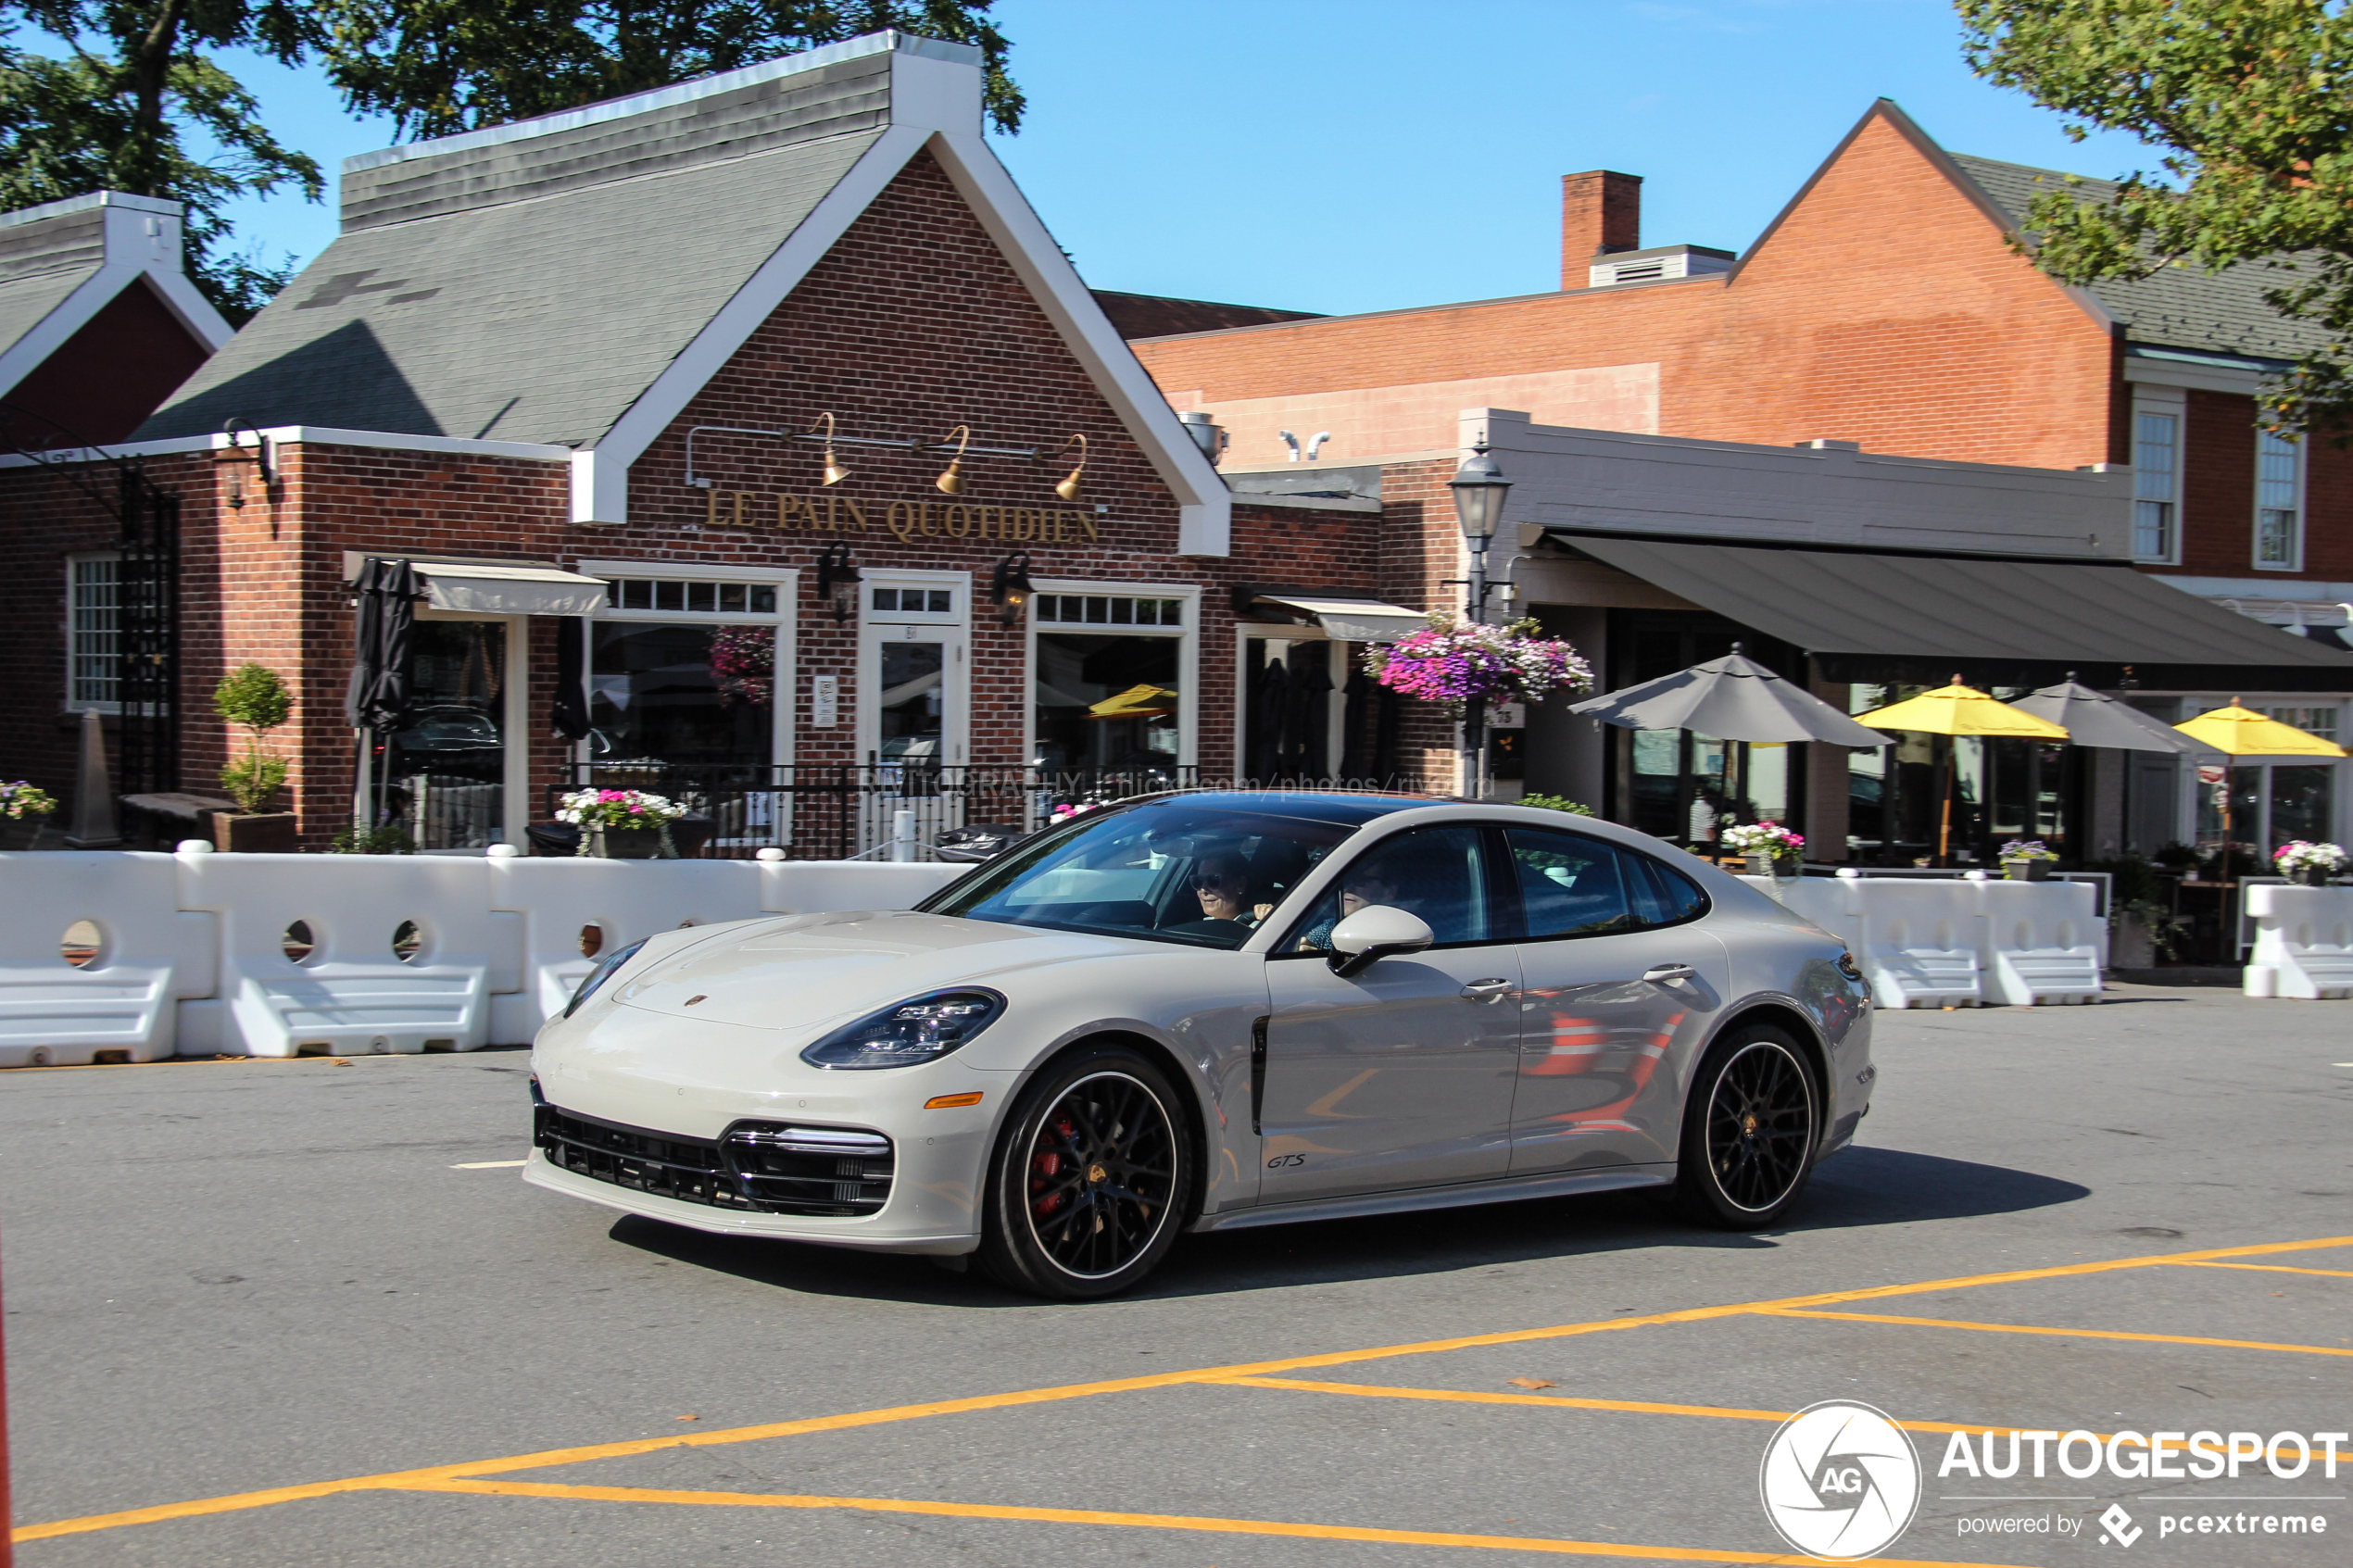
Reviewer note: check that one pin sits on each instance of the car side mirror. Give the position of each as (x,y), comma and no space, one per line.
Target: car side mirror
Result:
(1374,932)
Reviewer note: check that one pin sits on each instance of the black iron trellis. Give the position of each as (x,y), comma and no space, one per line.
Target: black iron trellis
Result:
(148,616)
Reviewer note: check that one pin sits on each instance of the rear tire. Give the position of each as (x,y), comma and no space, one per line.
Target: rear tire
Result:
(1089,1179)
(1750,1129)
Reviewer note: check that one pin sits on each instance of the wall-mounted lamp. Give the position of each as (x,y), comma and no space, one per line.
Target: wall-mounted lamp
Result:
(1010,587)
(1068,488)
(837,579)
(259,454)
(951,482)
(835,473)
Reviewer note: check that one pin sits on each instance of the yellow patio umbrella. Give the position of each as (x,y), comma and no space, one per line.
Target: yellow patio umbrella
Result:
(2239,730)
(1958,710)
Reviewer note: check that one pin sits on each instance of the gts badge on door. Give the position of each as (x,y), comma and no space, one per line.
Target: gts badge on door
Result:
(1282,1161)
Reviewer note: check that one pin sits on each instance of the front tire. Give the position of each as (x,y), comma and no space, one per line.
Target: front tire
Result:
(1749,1131)
(1089,1178)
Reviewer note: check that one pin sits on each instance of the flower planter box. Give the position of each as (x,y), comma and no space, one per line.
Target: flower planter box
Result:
(626,843)
(2027,870)
(258,833)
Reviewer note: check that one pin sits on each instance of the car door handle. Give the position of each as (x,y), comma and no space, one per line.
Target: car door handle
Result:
(1487,990)
(1668,974)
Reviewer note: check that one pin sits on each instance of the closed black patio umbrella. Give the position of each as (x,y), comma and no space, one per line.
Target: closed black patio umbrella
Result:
(1313,736)
(386,597)
(1269,723)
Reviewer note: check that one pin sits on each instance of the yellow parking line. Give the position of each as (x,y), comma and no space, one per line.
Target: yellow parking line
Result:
(2274,1268)
(2060,1333)
(1154,1522)
(553,1457)
(1566,1401)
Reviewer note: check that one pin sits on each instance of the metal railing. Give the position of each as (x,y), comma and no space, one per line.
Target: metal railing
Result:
(839,811)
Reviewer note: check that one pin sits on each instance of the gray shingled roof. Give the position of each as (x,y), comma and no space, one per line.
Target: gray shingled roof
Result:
(46,253)
(529,283)
(2180,307)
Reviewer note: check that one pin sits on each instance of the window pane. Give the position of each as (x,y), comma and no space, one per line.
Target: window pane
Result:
(763,601)
(1569,885)
(2153,529)
(2276,537)
(941,604)
(2153,457)
(654,697)
(731,596)
(637,594)
(2300,804)
(886,598)
(1662,895)
(1076,672)
(1437,873)
(670,596)
(96,589)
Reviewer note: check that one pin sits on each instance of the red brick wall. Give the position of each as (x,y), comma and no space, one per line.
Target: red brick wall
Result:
(1884,309)
(2218,486)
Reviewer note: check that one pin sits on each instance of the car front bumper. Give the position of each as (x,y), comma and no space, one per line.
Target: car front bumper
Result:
(913,1225)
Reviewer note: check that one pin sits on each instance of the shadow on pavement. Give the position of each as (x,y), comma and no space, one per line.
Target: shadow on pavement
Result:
(1861,1186)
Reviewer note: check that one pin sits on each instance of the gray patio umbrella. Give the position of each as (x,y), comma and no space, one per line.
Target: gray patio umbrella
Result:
(1731,698)
(2092,718)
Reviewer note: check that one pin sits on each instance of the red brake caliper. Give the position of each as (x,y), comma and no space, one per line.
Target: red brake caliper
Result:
(1045,1166)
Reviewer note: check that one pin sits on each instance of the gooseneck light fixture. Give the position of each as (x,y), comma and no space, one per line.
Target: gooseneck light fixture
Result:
(1010,587)
(259,454)
(835,473)
(837,579)
(1068,488)
(952,480)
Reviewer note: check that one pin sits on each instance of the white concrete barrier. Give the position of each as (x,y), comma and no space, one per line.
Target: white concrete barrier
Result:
(124,1000)
(559,902)
(2040,942)
(2303,942)
(1920,941)
(352,994)
(192,949)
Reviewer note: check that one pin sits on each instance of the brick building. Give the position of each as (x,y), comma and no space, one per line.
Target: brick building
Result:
(591,374)
(1884,308)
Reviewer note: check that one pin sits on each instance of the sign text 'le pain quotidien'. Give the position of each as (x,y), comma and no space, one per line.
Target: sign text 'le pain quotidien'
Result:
(908,520)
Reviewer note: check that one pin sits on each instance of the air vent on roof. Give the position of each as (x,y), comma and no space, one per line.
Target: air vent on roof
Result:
(1665,261)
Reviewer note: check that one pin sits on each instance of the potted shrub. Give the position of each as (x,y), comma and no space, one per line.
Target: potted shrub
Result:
(1769,848)
(1557,803)
(2028,859)
(2307,864)
(621,824)
(257,701)
(26,803)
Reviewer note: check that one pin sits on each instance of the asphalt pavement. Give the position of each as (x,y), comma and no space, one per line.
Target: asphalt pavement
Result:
(281,1313)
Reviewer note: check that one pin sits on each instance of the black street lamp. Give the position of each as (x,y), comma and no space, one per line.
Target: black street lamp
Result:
(1480,488)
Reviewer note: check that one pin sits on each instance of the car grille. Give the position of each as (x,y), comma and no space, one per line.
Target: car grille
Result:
(758,1167)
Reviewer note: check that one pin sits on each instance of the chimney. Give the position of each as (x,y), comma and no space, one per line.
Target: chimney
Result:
(1601,211)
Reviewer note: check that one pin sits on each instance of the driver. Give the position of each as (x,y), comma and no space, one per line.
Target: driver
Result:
(1361,889)
(1222,883)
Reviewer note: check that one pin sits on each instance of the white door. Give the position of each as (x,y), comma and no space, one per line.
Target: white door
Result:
(912,682)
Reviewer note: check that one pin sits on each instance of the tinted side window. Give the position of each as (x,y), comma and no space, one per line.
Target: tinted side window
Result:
(1571,886)
(1437,873)
(1662,895)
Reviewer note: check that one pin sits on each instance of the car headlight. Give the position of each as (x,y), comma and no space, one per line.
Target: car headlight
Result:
(599,975)
(918,1030)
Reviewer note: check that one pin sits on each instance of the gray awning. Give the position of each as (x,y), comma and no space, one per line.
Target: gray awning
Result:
(1355,621)
(1868,616)
(511,590)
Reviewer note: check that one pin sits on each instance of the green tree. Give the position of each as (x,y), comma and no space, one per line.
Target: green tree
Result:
(137,105)
(2250,105)
(438,67)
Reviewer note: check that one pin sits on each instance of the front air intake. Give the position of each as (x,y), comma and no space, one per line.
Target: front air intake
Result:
(761,1167)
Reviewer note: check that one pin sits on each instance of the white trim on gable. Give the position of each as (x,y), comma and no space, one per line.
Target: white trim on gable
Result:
(292,435)
(141,239)
(935,103)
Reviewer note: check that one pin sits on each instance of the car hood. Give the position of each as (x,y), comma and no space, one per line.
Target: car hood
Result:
(807,971)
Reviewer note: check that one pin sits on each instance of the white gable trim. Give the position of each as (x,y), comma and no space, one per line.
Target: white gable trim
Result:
(141,240)
(1206,516)
(294,435)
(935,103)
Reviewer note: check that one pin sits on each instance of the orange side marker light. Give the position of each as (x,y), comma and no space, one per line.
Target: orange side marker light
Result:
(950,1102)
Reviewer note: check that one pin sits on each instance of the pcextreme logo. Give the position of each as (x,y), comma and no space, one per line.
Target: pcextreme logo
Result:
(1840,1480)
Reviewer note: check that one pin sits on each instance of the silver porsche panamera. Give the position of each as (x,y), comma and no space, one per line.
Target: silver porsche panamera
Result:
(1209,1011)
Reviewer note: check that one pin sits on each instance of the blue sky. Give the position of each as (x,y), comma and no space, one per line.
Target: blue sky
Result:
(1360,155)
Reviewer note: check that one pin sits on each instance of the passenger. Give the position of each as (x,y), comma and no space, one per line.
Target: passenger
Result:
(1361,889)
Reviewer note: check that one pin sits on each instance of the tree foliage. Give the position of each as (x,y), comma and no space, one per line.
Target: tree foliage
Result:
(438,67)
(2250,103)
(137,106)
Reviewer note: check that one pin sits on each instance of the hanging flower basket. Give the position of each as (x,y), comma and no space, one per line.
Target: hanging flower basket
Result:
(743,662)
(1460,662)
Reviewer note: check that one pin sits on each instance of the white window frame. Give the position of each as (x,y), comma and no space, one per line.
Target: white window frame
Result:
(1336,740)
(784,618)
(1187,638)
(73,563)
(2169,403)
(2294,562)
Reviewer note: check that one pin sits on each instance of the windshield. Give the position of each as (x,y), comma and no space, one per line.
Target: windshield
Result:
(1168,872)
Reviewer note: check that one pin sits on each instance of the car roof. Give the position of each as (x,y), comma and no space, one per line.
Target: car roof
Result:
(1348,808)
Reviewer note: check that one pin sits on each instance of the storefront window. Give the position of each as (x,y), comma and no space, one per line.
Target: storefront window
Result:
(1107,702)
(446,765)
(682,695)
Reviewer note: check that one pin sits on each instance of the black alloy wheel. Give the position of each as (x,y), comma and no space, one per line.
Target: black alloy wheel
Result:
(1749,1131)
(1089,1178)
